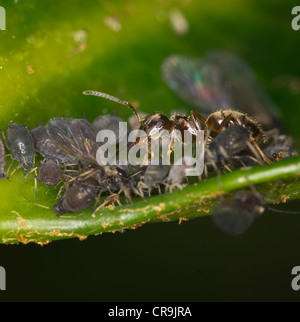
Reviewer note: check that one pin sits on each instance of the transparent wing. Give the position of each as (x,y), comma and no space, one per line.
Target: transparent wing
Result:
(196,82)
(75,136)
(241,85)
(219,80)
(231,218)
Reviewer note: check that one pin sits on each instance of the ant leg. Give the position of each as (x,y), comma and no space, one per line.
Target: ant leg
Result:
(198,119)
(224,123)
(258,149)
(253,142)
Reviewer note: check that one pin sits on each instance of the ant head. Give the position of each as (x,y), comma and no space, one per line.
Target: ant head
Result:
(155,122)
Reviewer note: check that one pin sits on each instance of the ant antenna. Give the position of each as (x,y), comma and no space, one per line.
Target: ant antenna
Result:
(114,99)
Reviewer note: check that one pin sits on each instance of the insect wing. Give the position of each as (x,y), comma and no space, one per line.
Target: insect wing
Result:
(231,218)
(75,136)
(242,88)
(235,215)
(195,82)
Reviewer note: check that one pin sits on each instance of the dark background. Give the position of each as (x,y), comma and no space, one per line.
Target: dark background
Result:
(192,261)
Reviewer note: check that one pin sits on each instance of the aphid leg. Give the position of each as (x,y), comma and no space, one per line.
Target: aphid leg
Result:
(223,153)
(14,170)
(60,192)
(39,205)
(205,171)
(254,151)
(35,175)
(4,139)
(138,193)
(158,188)
(241,162)
(140,186)
(126,193)
(227,168)
(109,199)
(98,199)
(171,187)
(213,164)
(86,175)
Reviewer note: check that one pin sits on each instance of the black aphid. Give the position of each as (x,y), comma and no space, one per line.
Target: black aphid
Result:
(77,198)
(227,144)
(178,172)
(155,175)
(21,145)
(78,138)
(75,137)
(48,148)
(109,122)
(280,146)
(50,172)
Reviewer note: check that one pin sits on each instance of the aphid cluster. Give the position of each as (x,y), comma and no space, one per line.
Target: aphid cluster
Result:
(232,139)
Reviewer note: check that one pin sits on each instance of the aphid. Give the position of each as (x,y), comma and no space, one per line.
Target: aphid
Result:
(279,147)
(155,175)
(78,138)
(177,174)
(77,198)
(109,122)
(226,145)
(235,215)
(21,145)
(48,148)
(217,81)
(50,172)
(2,160)
(136,179)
